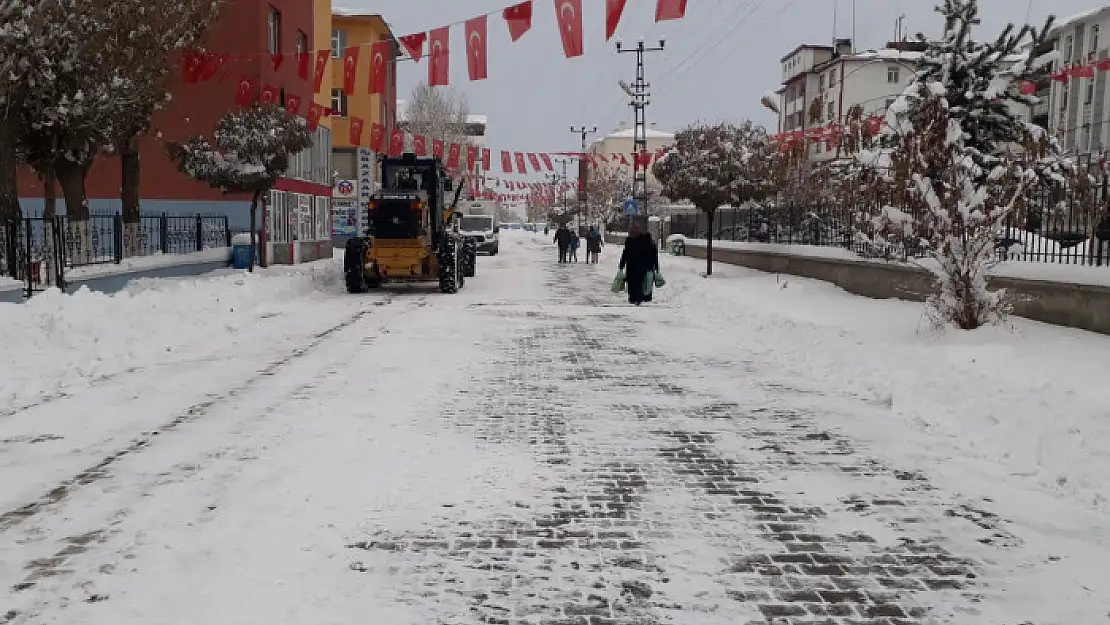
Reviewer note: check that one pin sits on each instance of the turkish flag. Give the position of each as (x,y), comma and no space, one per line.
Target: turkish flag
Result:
(414,44)
(1027,87)
(471,157)
(519,19)
(244,95)
(534,161)
(213,63)
(293,104)
(192,66)
(276,60)
(670,10)
(356,131)
(1083,71)
(270,95)
(437,148)
(420,145)
(613,11)
(453,154)
(520,167)
(439,57)
(379,52)
(397,142)
(506,162)
(569,14)
(487,159)
(303,59)
(547,162)
(315,112)
(377,137)
(322,57)
(350,69)
(476,47)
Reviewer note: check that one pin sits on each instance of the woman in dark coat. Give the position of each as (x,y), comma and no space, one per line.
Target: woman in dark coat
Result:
(638,258)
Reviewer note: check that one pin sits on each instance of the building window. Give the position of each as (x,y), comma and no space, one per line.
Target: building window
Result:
(274,25)
(821,82)
(1069,51)
(338,42)
(832,79)
(893,75)
(1094,40)
(302,41)
(889,103)
(338,103)
(1090,92)
(832,110)
(1063,97)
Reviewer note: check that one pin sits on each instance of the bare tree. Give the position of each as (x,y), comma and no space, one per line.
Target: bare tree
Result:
(146,36)
(713,166)
(440,114)
(249,151)
(605,187)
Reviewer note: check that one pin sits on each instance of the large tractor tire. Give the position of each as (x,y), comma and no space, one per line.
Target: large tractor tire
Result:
(354,259)
(470,258)
(450,276)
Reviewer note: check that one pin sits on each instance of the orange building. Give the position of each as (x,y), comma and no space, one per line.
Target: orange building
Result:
(350,29)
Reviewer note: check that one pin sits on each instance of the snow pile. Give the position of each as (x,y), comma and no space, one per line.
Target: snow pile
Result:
(1014,403)
(56,342)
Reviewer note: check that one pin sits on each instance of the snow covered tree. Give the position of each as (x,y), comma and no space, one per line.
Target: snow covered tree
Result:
(605,187)
(438,113)
(960,154)
(714,166)
(249,151)
(145,38)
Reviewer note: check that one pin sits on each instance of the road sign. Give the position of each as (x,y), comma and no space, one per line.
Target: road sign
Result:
(630,207)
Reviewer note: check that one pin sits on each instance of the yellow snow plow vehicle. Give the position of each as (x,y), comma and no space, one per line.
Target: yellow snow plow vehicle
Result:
(413,232)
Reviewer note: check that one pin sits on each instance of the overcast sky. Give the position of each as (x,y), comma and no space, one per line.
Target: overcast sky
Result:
(717,63)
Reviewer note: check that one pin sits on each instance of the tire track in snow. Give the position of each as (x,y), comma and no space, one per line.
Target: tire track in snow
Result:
(15,517)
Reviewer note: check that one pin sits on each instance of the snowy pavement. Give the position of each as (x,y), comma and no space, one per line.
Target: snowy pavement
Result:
(748,449)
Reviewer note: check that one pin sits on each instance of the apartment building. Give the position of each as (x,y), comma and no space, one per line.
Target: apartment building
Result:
(1076,108)
(622,143)
(821,84)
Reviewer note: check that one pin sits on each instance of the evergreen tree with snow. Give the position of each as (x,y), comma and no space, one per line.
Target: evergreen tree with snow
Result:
(959,149)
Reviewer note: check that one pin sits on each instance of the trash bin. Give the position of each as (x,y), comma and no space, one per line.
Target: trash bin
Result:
(241,251)
(677,243)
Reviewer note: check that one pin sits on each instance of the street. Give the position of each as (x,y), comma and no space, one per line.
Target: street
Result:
(534,450)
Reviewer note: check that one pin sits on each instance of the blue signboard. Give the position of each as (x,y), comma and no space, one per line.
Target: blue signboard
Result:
(630,207)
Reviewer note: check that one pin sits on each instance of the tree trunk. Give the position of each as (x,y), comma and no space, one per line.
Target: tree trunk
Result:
(254,209)
(9,191)
(709,243)
(71,177)
(129,197)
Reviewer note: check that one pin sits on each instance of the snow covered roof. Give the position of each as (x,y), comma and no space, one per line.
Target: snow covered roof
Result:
(1078,18)
(346,12)
(888,54)
(477,119)
(630,133)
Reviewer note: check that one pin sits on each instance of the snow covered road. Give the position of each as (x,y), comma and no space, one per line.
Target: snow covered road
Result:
(269,450)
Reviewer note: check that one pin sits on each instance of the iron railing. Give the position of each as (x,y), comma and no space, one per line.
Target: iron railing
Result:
(1057,229)
(38,250)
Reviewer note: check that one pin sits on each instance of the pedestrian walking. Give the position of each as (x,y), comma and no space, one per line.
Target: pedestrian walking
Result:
(640,264)
(575,241)
(562,239)
(594,244)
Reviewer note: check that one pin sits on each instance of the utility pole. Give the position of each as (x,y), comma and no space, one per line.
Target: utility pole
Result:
(638,91)
(557,178)
(583,174)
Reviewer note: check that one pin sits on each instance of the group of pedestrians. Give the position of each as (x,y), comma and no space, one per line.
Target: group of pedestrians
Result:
(638,272)
(569,242)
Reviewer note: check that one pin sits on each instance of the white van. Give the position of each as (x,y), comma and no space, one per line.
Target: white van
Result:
(481,224)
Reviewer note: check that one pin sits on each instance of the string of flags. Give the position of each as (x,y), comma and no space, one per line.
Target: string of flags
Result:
(831,134)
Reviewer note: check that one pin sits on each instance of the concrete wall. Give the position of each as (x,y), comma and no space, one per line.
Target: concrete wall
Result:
(117,282)
(1080,306)
(282,253)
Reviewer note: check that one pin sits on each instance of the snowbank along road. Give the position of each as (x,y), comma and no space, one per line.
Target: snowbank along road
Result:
(269,450)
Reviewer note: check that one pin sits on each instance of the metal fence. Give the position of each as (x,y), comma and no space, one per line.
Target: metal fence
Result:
(1057,229)
(38,250)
